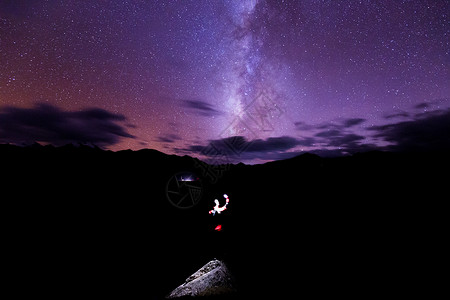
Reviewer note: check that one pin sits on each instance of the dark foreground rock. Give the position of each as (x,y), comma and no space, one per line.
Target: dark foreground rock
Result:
(212,279)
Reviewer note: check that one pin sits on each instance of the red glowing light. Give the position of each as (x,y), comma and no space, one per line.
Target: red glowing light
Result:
(218,228)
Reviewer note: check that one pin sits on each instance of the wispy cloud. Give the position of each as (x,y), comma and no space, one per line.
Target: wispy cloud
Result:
(426,132)
(201,108)
(47,123)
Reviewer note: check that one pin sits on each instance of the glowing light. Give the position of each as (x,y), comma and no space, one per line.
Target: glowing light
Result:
(186,179)
(218,227)
(217,208)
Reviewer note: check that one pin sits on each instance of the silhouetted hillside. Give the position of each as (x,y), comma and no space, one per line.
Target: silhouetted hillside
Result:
(80,220)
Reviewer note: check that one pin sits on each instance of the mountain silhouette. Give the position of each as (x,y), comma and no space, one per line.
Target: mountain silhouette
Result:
(84,220)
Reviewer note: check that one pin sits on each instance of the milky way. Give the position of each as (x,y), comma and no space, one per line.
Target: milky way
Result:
(250,94)
(256,80)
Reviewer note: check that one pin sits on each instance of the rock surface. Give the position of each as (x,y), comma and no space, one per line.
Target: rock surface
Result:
(212,279)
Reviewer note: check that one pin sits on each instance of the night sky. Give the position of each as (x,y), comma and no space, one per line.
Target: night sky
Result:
(227,81)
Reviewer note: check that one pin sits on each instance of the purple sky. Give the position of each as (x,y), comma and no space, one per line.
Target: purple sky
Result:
(242,80)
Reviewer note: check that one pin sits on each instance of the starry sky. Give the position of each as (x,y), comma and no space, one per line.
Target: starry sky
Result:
(227,81)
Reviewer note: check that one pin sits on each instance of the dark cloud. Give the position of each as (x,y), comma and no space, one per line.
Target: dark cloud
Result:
(352,122)
(422,105)
(306,141)
(432,104)
(303,126)
(349,148)
(335,138)
(346,123)
(272,144)
(47,123)
(329,133)
(397,115)
(428,132)
(327,126)
(345,140)
(169,138)
(201,108)
(238,148)
(427,114)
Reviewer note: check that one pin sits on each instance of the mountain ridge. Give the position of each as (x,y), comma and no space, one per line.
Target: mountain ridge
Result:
(81,215)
